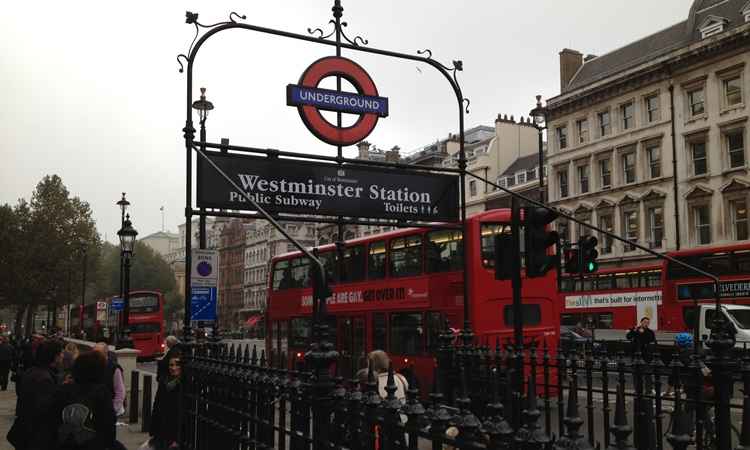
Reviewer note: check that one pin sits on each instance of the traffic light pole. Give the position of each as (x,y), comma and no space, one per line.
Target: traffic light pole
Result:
(515,227)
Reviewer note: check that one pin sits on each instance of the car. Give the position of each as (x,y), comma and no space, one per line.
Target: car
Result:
(578,339)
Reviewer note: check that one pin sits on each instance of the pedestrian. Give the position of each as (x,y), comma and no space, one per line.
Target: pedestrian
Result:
(114,379)
(380,362)
(6,362)
(35,424)
(641,337)
(69,355)
(162,368)
(165,419)
(86,420)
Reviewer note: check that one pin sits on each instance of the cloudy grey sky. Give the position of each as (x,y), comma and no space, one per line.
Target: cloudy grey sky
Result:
(91,89)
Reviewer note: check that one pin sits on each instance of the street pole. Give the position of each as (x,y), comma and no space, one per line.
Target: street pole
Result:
(83,291)
(539,116)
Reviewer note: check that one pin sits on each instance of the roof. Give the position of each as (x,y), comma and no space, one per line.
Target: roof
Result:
(161,235)
(523,163)
(657,44)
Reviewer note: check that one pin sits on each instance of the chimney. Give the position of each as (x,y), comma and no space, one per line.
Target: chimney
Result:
(364,150)
(588,58)
(570,62)
(392,155)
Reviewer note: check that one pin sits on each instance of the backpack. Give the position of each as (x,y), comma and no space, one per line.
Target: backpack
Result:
(77,426)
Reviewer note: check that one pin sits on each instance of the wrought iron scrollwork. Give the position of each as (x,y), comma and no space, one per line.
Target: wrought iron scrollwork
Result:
(457,66)
(321,33)
(362,40)
(191,18)
(358,41)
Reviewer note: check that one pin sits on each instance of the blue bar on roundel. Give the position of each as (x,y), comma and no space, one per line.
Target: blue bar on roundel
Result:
(329,100)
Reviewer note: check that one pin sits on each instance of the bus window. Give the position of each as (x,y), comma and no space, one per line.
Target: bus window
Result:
(435,325)
(354,263)
(605,281)
(489,230)
(406,256)
(144,304)
(444,251)
(532,314)
(329,263)
(283,335)
(282,275)
(604,320)
(742,261)
(300,332)
(144,327)
(376,261)
(407,334)
(379,328)
(652,279)
(688,316)
(300,272)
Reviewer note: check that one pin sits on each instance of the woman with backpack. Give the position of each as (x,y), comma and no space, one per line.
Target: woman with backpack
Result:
(84,407)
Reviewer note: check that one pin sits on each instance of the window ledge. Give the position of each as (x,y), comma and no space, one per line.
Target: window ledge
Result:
(694,119)
(705,177)
(734,170)
(731,109)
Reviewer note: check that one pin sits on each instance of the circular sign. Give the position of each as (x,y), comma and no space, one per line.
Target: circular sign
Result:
(314,120)
(204,269)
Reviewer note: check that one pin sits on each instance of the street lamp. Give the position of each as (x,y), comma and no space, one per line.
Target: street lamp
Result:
(127,236)
(123,204)
(83,246)
(539,114)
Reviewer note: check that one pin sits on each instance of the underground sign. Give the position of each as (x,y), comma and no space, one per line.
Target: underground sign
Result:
(311,100)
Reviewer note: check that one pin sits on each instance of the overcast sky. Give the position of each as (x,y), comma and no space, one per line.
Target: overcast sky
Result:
(91,89)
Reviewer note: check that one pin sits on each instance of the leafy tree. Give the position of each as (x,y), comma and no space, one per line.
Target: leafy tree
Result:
(148,270)
(43,243)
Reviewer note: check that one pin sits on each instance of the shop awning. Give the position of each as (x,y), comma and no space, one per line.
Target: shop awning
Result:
(253,320)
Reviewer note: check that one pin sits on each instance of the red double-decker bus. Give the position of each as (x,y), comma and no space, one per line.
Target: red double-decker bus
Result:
(146,321)
(398,291)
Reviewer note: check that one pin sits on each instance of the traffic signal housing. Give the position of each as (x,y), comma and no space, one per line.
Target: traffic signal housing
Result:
(537,240)
(588,252)
(571,260)
(504,254)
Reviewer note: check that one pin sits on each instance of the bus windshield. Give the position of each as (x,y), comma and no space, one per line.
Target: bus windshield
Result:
(141,304)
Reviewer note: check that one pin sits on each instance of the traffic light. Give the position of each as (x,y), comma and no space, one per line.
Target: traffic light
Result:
(571,260)
(504,254)
(587,247)
(537,240)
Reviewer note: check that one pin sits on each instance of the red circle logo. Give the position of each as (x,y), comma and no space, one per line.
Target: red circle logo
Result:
(314,120)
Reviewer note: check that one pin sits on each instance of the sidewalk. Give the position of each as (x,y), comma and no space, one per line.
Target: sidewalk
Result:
(130,435)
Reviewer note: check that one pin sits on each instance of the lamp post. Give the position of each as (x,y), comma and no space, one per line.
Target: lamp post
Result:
(539,114)
(127,236)
(203,107)
(123,204)
(83,246)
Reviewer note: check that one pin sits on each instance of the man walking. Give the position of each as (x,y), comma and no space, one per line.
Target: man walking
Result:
(162,370)
(6,361)
(641,337)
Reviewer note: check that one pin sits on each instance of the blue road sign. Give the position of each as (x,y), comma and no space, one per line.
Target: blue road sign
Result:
(118,304)
(203,303)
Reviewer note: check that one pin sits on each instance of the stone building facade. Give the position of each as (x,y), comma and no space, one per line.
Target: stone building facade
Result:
(231,273)
(649,141)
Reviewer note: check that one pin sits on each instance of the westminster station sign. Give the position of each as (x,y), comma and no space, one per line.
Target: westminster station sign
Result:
(302,187)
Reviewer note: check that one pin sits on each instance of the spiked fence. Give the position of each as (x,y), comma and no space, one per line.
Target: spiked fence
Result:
(493,398)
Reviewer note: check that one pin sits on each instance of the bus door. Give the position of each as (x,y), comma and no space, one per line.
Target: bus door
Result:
(351,342)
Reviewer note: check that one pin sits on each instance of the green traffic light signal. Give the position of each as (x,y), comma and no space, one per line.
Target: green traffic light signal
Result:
(591,267)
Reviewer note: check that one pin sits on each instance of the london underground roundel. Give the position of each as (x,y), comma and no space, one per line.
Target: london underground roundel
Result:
(311,100)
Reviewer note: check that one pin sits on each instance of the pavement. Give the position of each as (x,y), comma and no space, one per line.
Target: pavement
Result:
(129,435)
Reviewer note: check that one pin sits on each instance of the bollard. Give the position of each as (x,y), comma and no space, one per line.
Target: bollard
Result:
(134,387)
(146,413)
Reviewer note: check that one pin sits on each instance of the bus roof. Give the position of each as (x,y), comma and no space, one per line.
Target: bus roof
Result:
(706,250)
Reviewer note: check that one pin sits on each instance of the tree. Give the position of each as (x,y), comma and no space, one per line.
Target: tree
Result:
(42,243)
(148,270)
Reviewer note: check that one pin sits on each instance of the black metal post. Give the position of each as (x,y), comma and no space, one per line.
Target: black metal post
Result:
(124,340)
(83,289)
(516,276)
(721,341)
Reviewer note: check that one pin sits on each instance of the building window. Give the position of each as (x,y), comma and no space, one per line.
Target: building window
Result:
(652,108)
(738,211)
(700,163)
(531,174)
(583,178)
(510,181)
(606,224)
(626,111)
(655,226)
(605,172)
(563,228)
(562,137)
(472,188)
(653,153)
(604,126)
(696,102)
(628,167)
(582,126)
(736,148)
(732,91)
(562,181)
(584,217)
(521,177)
(702,219)
(630,227)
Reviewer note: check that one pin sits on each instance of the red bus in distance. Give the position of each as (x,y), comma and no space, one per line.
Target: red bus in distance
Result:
(397,292)
(146,323)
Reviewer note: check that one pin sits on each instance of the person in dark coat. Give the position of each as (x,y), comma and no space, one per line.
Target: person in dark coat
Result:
(93,431)
(162,369)
(35,425)
(6,362)
(165,418)
(641,338)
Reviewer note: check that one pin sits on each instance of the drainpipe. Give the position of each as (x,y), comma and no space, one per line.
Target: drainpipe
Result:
(674,167)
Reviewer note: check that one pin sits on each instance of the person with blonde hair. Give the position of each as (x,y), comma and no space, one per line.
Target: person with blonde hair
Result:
(380,362)
(70,353)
